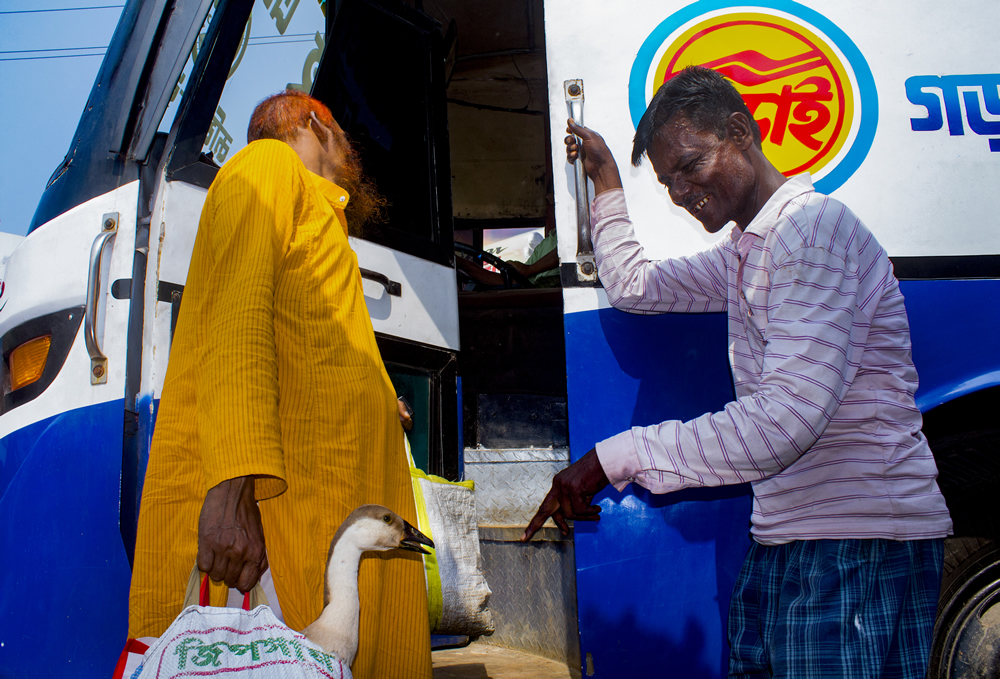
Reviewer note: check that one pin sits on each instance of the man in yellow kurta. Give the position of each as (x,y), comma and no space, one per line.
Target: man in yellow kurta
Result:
(277,417)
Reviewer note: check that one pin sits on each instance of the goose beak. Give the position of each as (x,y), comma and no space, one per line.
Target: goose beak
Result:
(413,538)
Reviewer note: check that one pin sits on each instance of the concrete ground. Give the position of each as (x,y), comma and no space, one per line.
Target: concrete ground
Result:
(483,661)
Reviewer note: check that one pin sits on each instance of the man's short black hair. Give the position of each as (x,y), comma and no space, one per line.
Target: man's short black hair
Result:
(702,95)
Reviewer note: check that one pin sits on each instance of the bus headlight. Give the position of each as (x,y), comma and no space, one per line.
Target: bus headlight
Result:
(27,362)
(34,354)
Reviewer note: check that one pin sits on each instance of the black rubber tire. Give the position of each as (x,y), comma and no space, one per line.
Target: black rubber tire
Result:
(967,632)
(966,641)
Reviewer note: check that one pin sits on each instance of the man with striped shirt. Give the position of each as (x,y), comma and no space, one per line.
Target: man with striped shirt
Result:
(848,522)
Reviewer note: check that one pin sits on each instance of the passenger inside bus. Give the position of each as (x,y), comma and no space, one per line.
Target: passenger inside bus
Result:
(539,270)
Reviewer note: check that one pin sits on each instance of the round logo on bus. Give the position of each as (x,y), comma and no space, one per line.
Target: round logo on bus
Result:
(805,82)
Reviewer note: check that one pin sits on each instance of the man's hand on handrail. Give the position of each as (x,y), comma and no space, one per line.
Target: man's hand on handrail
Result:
(598,162)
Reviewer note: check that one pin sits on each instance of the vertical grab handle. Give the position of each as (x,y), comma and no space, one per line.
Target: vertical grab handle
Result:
(574,100)
(98,361)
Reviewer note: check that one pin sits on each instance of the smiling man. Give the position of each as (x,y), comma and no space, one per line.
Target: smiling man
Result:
(848,523)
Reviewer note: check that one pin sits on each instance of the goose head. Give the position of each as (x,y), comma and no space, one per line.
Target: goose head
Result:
(376,528)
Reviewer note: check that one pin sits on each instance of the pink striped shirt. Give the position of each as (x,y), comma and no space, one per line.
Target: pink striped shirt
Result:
(824,427)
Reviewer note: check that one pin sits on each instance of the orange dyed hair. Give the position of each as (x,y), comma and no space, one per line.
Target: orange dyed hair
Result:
(278,116)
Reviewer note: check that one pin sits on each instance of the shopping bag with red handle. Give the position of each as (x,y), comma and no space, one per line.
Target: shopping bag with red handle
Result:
(247,643)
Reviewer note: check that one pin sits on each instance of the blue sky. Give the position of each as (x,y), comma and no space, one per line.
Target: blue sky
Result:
(50,59)
(43,97)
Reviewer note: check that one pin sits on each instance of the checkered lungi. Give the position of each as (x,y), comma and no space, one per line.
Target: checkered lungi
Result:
(827,609)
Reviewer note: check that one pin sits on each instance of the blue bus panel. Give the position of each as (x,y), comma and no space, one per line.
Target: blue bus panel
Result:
(64,576)
(654,576)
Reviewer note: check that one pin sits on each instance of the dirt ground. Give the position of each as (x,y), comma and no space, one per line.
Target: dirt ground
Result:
(482,661)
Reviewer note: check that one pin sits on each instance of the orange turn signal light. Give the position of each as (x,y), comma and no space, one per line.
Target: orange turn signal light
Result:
(28,361)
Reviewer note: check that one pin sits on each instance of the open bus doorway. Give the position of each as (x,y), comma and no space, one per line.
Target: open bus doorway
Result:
(512,366)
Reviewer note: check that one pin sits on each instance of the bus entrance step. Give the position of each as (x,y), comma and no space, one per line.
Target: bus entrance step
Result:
(484,661)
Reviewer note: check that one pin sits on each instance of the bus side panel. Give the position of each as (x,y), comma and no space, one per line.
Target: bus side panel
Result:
(654,576)
(954,326)
(59,527)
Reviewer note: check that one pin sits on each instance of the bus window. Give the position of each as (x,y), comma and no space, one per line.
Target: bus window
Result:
(281,47)
(507,258)
(391,104)
(416,386)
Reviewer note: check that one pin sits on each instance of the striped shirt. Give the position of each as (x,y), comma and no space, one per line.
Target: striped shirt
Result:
(824,427)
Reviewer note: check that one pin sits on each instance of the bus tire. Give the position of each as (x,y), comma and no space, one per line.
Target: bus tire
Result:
(966,643)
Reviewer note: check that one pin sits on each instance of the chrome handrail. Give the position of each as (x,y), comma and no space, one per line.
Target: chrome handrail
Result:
(98,361)
(574,99)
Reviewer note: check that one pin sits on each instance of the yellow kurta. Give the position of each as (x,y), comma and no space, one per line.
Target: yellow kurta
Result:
(274,372)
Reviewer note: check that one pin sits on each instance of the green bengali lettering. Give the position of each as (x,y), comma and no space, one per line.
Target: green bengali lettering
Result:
(203,654)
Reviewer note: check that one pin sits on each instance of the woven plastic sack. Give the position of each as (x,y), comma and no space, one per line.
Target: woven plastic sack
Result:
(457,592)
(236,644)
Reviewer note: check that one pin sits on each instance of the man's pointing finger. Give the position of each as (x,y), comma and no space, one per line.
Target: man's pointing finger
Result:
(548,507)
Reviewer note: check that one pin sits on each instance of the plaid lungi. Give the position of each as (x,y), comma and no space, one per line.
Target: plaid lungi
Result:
(826,609)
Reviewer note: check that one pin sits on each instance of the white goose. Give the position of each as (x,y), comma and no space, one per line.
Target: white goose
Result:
(367,528)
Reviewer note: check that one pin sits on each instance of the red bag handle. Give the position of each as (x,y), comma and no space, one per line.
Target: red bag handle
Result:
(203,598)
(131,646)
